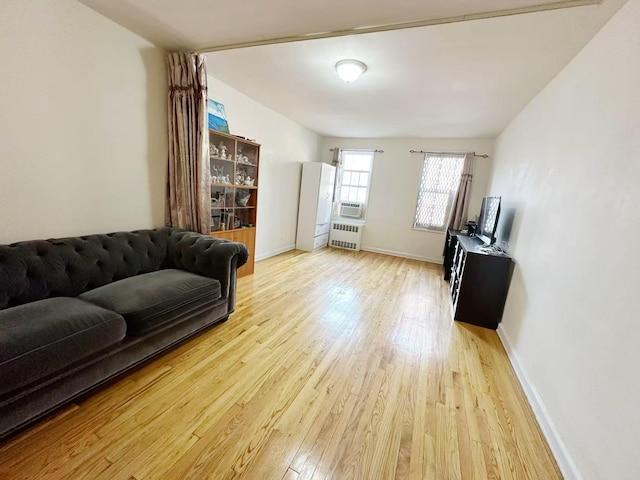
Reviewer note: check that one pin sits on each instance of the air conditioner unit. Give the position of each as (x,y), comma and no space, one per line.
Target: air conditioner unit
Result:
(351,209)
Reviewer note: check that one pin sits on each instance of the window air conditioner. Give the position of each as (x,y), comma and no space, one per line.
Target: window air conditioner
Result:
(351,209)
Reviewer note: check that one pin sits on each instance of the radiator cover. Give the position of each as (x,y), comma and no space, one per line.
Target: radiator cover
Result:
(346,234)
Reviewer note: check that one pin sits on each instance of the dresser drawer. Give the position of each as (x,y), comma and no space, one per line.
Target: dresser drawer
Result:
(321,241)
(322,229)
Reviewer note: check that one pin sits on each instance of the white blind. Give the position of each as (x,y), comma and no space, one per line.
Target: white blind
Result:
(438,186)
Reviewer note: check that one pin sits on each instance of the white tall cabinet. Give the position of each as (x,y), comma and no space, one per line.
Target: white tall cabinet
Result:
(314,211)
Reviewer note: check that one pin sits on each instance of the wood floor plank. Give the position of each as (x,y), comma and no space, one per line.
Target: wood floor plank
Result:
(335,365)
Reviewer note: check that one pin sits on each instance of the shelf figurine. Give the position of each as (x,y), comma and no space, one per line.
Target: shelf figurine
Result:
(218,202)
(223,150)
(213,150)
(242,198)
(240,173)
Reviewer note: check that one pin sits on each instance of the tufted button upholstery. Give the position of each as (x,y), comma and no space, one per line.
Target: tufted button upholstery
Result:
(35,270)
(212,257)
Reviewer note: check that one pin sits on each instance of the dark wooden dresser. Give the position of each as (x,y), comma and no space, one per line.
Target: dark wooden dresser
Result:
(479,282)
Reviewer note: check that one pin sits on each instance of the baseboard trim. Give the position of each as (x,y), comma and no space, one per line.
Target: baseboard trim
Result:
(273,253)
(395,253)
(560,452)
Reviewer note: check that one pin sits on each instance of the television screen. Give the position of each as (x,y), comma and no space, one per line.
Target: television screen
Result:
(488,220)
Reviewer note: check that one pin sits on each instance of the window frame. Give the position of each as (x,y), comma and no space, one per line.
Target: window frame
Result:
(422,190)
(341,173)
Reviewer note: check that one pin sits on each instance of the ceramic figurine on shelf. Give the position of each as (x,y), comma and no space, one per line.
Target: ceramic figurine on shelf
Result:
(213,151)
(240,174)
(223,150)
(242,197)
(249,181)
(218,201)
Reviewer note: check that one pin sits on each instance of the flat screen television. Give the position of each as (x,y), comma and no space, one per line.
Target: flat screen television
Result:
(488,220)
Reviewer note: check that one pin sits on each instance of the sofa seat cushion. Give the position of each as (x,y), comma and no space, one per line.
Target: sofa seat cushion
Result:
(43,337)
(153,299)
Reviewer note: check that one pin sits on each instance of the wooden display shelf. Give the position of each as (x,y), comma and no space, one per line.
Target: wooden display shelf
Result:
(235,207)
(242,235)
(232,214)
(213,232)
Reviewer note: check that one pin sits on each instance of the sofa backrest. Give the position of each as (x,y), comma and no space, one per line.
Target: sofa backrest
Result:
(67,267)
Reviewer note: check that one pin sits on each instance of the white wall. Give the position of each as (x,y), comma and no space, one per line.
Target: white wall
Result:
(568,168)
(394,191)
(83,122)
(284,145)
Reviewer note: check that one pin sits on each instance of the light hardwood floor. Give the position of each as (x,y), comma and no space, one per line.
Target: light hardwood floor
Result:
(336,365)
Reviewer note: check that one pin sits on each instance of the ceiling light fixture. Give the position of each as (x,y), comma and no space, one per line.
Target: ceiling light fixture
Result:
(350,70)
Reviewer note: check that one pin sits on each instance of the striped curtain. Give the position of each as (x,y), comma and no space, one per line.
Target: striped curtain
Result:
(188,191)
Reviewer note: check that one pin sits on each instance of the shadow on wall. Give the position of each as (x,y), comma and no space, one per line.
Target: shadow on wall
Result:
(157,130)
(507,237)
(505,226)
(517,305)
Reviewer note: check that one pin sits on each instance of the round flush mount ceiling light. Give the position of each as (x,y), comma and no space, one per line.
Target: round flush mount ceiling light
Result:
(350,70)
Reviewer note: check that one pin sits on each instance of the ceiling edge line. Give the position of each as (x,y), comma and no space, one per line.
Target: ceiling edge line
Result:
(404,25)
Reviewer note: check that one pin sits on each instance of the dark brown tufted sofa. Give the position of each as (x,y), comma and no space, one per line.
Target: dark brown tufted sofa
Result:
(77,312)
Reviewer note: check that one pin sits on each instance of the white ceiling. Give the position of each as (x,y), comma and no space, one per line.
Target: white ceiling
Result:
(464,79)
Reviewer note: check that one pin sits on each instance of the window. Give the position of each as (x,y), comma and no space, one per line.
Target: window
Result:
(355,176)
(438,187)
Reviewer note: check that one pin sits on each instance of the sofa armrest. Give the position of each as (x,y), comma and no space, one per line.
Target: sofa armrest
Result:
(211,257)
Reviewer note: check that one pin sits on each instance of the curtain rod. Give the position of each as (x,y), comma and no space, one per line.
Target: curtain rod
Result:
(557,4)
(358,150)
(484,155)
